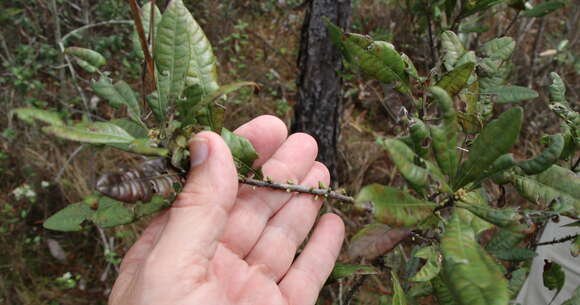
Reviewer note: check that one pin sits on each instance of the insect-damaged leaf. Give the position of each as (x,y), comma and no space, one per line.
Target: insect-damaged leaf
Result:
(510,94)
(556,185)
(506,218)
(548,157)
(242,150)
(499,48)
(495,139)
(94,133)
(28,115)
(445,135)
(118,95)
(456,80)
(342,270)
(72,216)
(374,240)
(432,266)
(504,239)
(403,157)
(172,47)
(394,207)
(470,274)
(514,254)
(112,213)
(557,89)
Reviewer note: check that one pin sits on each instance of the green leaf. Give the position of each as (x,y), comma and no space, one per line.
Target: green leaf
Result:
(510,94)
(544,8)
(93,59)
(470,274)
(394,207)
(72,216)
(557,89)
(506,218)
(135,129)
(478,224)
(444,296)
(504,239)
(419,133)
(156,204)
(118,95)
(399,297)
(143,146)
(242,150)
(501,164)
(514,254)
(553,276)
(420,289)
(431,268)
(495,139)
(28,115)
(202,70)
(556,185)
(454,81)
(546,159)
(410,68)
(112,213)
(146,21)
(172,47)
(452,49)
(403,157)
(499,48)
(374,240)
(94,133)
(445,135)
(476,6)
(517,280)
(342,270)
(158,101)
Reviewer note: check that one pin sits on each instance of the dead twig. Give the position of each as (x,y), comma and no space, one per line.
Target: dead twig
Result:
(293,188)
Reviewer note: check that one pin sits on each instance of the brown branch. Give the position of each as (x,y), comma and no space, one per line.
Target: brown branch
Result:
(293,188)
(556,241)
(150,75)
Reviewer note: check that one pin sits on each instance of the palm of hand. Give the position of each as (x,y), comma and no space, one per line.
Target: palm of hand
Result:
(220,244)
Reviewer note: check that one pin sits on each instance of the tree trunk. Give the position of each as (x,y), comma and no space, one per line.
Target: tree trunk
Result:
(319,108)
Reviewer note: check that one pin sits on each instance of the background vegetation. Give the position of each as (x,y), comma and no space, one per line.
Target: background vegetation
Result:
(255,41)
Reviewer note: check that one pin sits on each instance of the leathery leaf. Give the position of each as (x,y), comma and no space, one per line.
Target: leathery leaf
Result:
(456,80)
(445,135)
(118,95)
(172,47)
(72,216)
(403,157)
(399,297)
(374,240)
(495,139)
(470,274)
(432,266)
(452,49)
(394,207)
(242,150)
(548,157)
(499,48)
(94,133)
(556,185)
(28,115)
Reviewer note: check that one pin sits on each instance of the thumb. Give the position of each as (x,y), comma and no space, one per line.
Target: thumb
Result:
(199,214)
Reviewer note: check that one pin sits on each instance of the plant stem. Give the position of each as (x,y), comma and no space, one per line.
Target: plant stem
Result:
(293,188)
(556,241)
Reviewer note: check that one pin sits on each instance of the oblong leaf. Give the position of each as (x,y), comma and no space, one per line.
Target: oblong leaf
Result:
(548,157)
(118,95)
(342,270)
(499,48)
(445,135)
(543,8)
(511,94)
(172,47)
(91,57)
(468,271)
(242,150)
(432,266)
(495,139)
(30,114)
(452,49)
(375,239)
(94,133)
(71,217)
(112,213)
(557,89)
(514,254)
(394,207)
(402,156)
(399,297)
(456,80)
(504,239)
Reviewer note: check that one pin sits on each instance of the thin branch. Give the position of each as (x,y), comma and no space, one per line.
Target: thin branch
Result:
(431,41)
(556,241)
(293,188)
(70,158)
(511,24)
(535,51)
(88,26)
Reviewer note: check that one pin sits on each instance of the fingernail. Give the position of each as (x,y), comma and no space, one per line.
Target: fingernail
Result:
(199,150)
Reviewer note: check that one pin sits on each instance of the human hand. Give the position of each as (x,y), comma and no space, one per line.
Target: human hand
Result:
(221,243)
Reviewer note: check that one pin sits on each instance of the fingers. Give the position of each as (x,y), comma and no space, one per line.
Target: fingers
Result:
(288,228)
(199,214)
(266,133)
(292,161)
(307,275)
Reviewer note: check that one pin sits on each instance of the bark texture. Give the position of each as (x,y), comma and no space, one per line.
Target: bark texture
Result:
(319,108)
